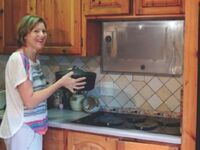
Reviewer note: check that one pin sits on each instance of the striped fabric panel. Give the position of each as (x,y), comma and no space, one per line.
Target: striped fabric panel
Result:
(36,118)
(41,109)
(39,126)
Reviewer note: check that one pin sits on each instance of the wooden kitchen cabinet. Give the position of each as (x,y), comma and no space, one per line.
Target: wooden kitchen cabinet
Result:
(105,7)
(10,13)
(127,145)
(1,25)
(63,21)
(2,145)
(55,139)
(64,26)
(159,7)
(84,141)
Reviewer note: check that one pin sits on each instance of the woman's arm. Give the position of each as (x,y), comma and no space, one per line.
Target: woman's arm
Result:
(32,99)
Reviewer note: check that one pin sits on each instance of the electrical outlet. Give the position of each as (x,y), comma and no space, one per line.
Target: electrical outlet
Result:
(107,89)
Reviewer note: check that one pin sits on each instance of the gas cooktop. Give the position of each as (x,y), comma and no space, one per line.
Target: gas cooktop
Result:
(146,123)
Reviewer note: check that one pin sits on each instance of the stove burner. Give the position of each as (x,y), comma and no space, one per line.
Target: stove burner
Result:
(146,126)
(130,122)
(137,119)
(108,120)
(169,122)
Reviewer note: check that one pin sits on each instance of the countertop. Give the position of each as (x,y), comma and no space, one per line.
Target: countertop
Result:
(62,119)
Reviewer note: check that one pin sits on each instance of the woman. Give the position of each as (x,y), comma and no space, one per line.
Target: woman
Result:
(25,118)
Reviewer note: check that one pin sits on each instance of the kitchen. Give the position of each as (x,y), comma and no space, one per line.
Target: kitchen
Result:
(90,30)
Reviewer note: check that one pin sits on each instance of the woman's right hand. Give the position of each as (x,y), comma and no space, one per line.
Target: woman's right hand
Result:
(72,84)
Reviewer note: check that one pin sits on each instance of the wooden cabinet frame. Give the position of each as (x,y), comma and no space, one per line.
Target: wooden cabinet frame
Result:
(159,7)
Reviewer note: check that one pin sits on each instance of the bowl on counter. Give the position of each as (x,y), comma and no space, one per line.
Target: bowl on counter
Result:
(91,104)
(76,101)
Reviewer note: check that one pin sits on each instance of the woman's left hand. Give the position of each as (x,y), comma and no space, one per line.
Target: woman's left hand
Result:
(72,84)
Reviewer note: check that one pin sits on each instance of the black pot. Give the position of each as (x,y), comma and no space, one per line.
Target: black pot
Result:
(90,77)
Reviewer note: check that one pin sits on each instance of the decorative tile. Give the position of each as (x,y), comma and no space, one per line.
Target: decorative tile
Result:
(106,78)
(146,92)
(155,84)
(130,104)
(117,90)
(147,78)
(92,64)
(4,59)
(180,79)
(122,82)
(138,100)
(130,91)
(172,103)
(138,78)
(177,94)
(95,92)
(114,104)
(164,79)
(99,74)
(129,77)
(62,60)
(147,106)
(137,91)
(44,58)
(155,101)
(115,76)
(77,62)
(106,99)
(163,108)
(172,85)
(178,109)
(138,84)
(164,93)
(50,78)
(122,98)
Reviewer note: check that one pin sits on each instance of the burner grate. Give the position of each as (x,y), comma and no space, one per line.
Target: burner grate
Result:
(133,122)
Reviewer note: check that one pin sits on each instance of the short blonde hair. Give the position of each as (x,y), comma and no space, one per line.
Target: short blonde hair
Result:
(25,25)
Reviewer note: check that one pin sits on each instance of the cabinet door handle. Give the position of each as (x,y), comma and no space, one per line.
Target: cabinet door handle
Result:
(64,50)
(1,37)
(1,11)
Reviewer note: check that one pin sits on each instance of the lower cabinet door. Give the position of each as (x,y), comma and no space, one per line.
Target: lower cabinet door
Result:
(84,141)
(2,145)
(127,145)
(55,139)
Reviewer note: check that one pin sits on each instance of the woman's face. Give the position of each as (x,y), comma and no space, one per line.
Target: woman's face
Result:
(36,39)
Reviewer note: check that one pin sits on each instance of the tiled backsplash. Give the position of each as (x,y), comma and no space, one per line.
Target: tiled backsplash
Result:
(119,90)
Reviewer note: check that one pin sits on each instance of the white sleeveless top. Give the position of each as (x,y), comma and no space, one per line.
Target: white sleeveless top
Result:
(13,118)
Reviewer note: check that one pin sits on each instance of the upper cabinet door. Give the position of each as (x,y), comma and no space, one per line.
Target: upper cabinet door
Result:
(159,7)
(10,13)
(105,7)
(1,25)
(63,24)
(63,21)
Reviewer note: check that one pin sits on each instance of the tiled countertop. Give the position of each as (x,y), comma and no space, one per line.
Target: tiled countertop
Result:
(62,118)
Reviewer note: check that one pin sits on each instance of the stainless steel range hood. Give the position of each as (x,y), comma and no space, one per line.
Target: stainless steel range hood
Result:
(151,47)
